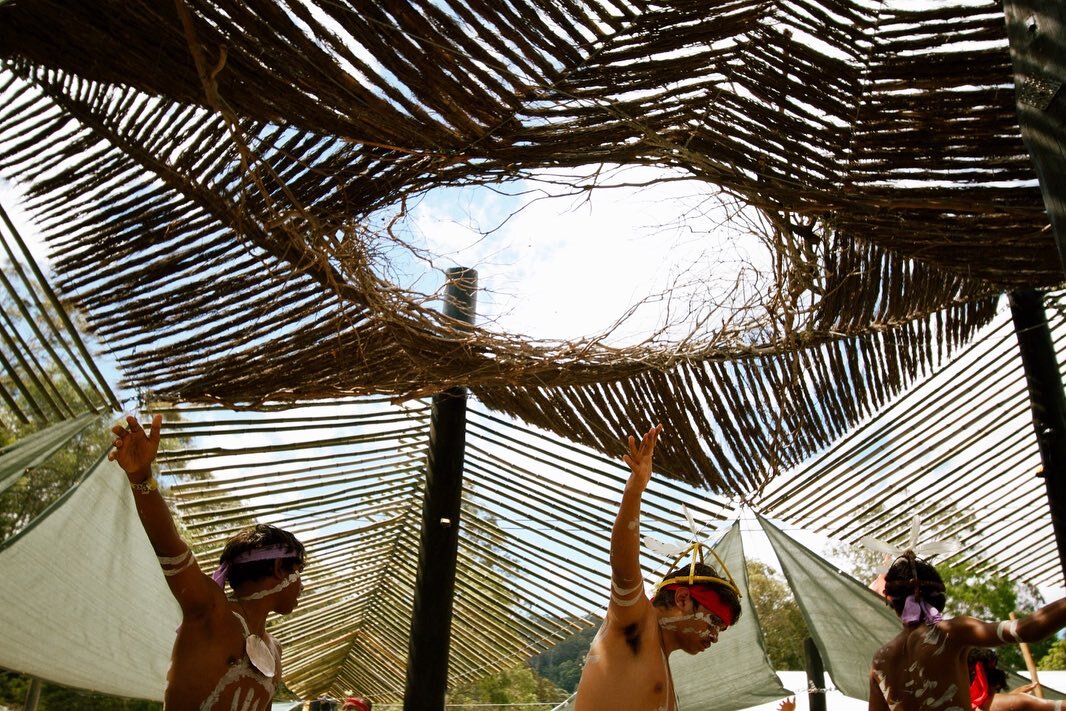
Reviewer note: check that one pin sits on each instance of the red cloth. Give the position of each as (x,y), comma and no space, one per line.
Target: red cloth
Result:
(710,599)
(354,704)
(979,686)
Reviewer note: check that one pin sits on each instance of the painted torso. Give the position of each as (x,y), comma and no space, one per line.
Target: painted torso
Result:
(922,670)
(218,673)
(626,669)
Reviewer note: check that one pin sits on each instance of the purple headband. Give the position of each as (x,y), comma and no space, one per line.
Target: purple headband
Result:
(268,553)
(919,611)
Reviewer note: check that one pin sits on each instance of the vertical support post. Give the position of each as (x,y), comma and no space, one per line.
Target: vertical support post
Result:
(427,656)
(33,695)
(1036,30)
(815,675)
(1046,400)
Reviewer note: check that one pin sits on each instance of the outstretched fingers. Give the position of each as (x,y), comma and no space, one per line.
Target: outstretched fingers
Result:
(132,437)
(647,443)
(153,432)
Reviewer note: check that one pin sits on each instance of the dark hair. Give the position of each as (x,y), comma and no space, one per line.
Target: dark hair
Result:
(910,575)
(665,598)
(259,536)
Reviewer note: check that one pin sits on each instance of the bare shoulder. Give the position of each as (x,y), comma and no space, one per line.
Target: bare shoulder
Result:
(890,649)
(966,631)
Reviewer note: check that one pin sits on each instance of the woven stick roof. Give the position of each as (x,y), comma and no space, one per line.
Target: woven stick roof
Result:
(220,161)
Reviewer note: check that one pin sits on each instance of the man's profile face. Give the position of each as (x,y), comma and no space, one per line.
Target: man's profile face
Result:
(697,627)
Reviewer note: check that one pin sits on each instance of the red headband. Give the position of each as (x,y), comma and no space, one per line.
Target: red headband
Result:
(710,599)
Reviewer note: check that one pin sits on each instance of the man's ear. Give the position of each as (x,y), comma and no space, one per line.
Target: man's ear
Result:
(681,596)
(279,569)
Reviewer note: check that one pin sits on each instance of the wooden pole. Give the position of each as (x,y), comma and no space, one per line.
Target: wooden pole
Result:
(815,676)
(1030,665)
(427,656)
(33,695)
(1047,402)
(1036,31)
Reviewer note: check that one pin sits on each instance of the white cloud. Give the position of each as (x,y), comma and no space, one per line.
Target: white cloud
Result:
(568,267)
(11,200)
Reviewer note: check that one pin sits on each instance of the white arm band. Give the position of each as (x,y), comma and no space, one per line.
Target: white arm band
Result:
(172,565)
(1007,628)
(625,597)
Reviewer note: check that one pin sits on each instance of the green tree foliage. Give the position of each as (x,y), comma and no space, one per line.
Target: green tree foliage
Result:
(782,624)
(562,663)
(1055,657)
(512,689)
(39,487)
(14,688)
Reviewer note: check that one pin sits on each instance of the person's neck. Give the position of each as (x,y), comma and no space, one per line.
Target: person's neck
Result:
(255,609)
(668,640)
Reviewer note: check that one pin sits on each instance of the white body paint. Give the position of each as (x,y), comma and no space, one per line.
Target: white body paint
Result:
(1007,628)
(255,697)
(292,578)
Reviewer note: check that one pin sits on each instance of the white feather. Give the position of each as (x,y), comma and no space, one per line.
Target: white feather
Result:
(691,522)
(879,546)
(666,550)
(916,526)
(938,547)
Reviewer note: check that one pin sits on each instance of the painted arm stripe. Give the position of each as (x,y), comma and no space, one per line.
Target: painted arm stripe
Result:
(175,571)
(1006,628)
(617,589)
(624,603)
(174,559)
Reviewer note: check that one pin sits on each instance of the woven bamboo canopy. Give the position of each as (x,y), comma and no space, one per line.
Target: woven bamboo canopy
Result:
(209,175)
(220,161)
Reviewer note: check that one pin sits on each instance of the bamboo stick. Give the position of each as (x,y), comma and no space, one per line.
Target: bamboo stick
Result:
(1030,665)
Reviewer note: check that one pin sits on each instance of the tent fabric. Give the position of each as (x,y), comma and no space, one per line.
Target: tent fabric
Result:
(735,673)
(85,605)
(848,621)
(32,450)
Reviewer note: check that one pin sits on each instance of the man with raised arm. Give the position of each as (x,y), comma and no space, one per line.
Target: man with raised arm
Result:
(626,668)
(223,657)
(924,667)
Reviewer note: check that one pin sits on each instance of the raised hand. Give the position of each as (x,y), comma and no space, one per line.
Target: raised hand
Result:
(639,457)
(134,448)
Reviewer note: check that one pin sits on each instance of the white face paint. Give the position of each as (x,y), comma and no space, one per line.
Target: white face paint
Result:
(292,578)
(632,525)
(674,625)
(671,623)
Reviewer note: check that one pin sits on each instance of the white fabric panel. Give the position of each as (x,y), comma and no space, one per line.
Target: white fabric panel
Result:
(85,603)
(848,621)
